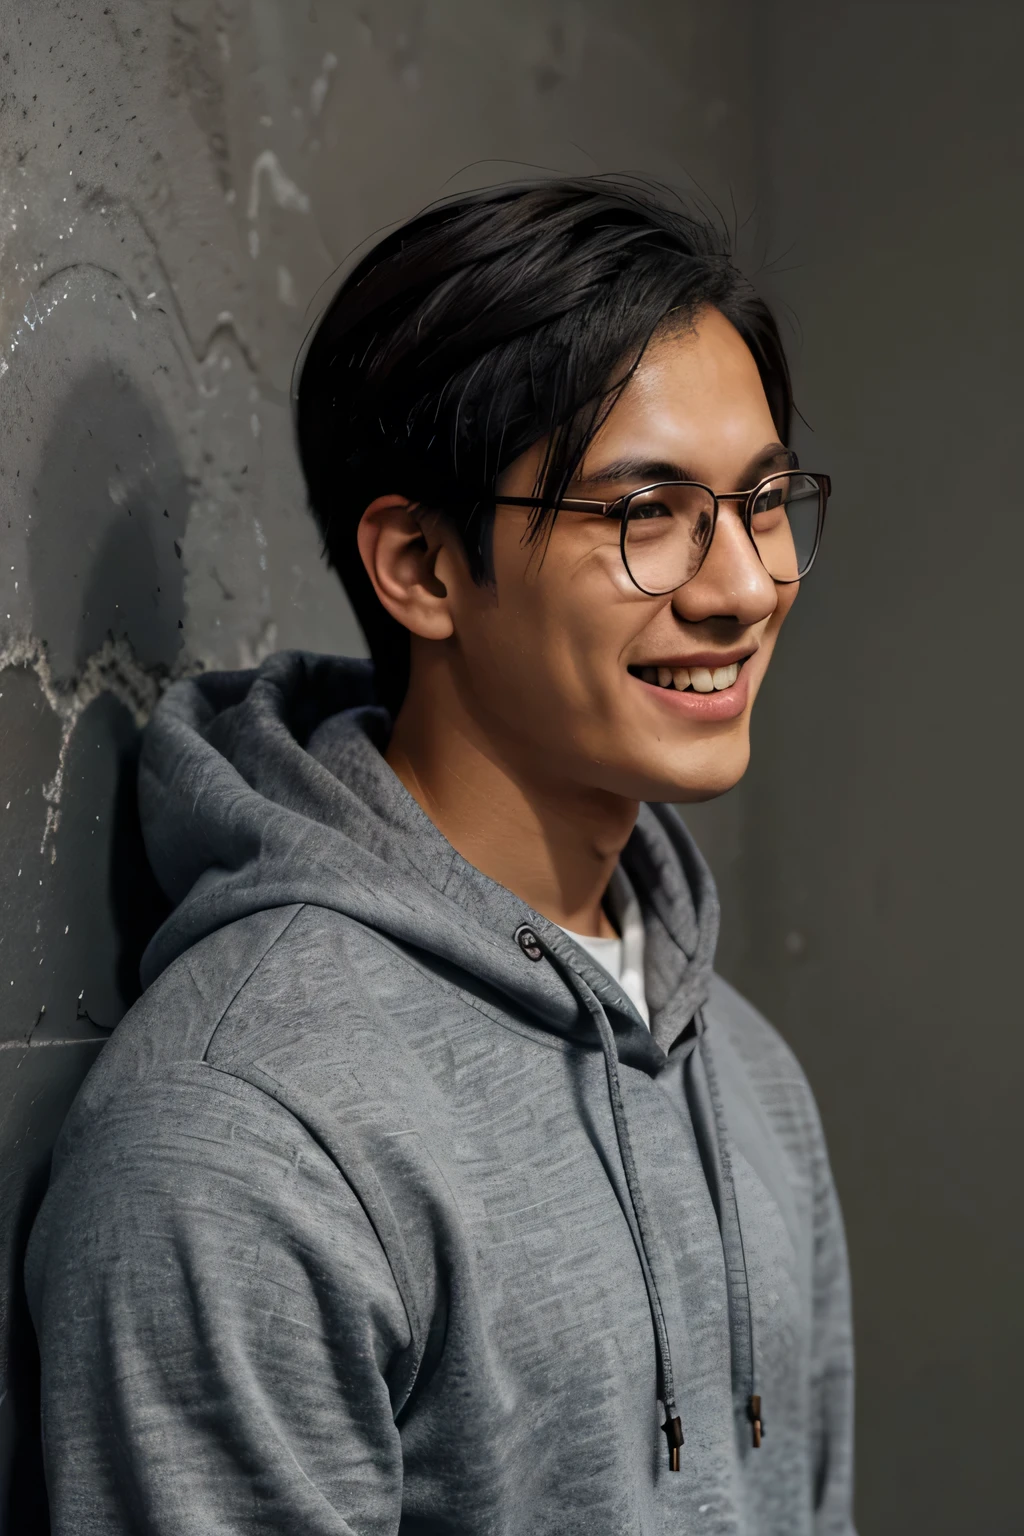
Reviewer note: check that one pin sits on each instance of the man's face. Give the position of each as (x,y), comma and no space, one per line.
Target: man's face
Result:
(554,663)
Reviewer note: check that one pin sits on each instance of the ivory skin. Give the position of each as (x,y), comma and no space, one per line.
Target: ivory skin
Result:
(524,734)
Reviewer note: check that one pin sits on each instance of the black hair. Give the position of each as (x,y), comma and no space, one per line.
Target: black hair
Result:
(486,324)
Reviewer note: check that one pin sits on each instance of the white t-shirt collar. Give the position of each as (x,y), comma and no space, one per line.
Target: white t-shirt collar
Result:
(622,957)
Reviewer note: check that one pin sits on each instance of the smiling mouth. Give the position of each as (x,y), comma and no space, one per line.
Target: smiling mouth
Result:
(690,679)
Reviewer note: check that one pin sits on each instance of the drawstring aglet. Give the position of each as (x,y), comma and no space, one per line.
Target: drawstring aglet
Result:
(754,1414)
(673,1430)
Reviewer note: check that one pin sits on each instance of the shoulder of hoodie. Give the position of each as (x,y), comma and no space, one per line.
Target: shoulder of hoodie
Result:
(751,1035)
(771,1071)
(239,1042)
(282,995)
(162,1096)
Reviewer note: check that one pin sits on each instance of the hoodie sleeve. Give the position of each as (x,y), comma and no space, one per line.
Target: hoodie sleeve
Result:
(217,1322)
(832,1381)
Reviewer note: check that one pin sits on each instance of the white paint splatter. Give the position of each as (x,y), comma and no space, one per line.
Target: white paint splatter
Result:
(318,90)
(35,313)
(285,286)
(261,541)
(282,189)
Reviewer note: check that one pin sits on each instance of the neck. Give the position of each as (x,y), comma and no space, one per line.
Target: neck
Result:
(551,841)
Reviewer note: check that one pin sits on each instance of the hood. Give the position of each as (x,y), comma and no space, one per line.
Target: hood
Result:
(266,788)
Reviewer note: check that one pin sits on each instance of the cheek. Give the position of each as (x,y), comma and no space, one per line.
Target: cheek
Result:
(505,643)
(547,635)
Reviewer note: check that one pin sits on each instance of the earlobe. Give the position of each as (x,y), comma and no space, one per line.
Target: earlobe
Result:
(399,545)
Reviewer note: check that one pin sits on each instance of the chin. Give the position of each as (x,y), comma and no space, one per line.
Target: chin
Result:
(703,774)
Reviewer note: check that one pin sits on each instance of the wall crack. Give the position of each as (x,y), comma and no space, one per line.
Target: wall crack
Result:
(112,669)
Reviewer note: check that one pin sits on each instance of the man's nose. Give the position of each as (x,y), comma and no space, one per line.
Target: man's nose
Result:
(732,582)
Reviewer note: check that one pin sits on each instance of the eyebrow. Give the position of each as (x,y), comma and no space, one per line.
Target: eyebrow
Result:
(650,471)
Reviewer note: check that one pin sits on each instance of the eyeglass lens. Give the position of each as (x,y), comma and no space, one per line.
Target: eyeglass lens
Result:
(669,530)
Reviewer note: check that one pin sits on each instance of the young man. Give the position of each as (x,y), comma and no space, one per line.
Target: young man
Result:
(437,1184)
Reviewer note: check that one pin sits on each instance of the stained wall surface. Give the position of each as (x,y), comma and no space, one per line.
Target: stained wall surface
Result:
(177,183)
(880,837)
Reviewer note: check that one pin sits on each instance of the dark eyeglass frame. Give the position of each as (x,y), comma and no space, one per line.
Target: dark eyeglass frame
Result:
(620,508)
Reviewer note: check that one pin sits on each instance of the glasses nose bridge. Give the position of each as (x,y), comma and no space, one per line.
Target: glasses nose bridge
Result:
(741,499)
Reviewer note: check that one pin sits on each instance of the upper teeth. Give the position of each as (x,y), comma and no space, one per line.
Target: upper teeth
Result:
(700,679)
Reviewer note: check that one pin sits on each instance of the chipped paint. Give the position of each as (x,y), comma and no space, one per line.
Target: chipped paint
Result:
(113,669)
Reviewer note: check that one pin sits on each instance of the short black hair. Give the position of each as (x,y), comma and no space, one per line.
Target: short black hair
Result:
(487,323)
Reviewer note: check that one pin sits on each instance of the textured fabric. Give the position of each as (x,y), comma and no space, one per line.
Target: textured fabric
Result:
(339,1237)
(622,956)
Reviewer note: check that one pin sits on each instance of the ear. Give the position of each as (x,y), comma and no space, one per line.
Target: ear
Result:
(401,547)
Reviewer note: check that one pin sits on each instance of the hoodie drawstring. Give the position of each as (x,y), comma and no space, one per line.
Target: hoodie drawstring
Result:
(743,1310)
(672,1428)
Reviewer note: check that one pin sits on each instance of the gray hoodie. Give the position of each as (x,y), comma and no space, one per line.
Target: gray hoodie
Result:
(383,1211)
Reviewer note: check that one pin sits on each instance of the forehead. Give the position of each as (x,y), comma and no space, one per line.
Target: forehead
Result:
(696,399)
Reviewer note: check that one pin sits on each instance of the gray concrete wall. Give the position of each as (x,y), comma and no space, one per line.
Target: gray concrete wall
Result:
(879,833)
(177,182)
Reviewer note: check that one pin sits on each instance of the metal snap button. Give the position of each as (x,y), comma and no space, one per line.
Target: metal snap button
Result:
(529,943)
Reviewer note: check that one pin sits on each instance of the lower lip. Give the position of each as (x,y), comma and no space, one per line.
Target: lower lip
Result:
(703,706)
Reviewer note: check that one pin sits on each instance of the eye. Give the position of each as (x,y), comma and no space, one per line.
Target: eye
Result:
(770,505)
(644,509)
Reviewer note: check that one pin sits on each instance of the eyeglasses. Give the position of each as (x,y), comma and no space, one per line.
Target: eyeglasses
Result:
(666,529)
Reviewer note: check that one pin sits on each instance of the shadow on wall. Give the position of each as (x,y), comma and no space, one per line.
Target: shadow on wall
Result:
(104,546)
(106,575)
(109,508)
